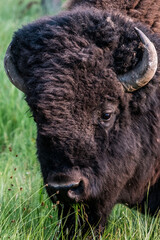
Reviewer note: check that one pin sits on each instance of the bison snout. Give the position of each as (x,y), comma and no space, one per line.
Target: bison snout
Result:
(71,190)
(67,187)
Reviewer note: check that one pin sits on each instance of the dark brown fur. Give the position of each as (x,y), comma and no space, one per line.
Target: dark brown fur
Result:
(70,64)
(146,11)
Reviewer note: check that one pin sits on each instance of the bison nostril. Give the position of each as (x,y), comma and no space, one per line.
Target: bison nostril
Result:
(76,192)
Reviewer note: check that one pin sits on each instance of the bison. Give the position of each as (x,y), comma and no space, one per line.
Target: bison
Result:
(91,78)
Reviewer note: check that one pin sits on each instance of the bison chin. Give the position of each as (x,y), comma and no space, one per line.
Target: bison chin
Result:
(71,192)
(76,208)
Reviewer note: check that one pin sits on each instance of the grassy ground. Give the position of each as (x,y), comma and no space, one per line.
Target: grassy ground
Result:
(25,211)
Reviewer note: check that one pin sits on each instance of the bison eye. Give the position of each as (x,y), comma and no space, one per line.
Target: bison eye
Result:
(106,116)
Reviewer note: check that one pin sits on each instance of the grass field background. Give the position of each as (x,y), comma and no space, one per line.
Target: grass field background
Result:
(25,210)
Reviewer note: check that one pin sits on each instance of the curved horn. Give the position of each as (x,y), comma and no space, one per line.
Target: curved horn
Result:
(145,69)
(11,71)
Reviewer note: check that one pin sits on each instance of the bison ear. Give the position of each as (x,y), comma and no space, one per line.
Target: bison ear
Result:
(12,72)
(144,70)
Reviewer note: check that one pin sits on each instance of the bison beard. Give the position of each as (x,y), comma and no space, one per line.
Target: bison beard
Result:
(97,143)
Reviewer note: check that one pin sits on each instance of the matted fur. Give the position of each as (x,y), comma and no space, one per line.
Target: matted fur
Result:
(147,11)
(70,64)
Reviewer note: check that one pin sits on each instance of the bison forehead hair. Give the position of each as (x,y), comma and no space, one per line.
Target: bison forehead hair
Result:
(70,68)
(90,131)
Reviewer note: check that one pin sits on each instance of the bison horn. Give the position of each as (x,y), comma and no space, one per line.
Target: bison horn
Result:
(12,73)
(145,69)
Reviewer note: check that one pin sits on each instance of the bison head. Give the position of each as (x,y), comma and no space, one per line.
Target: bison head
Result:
(81,72)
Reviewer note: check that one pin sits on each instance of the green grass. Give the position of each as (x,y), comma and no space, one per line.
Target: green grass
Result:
(25,210)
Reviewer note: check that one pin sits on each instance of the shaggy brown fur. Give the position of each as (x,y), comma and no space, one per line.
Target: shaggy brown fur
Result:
(70,65)
(147,11)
